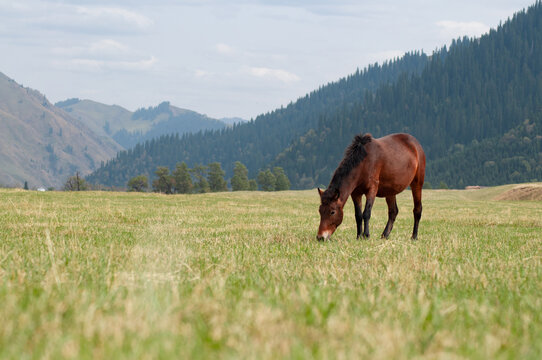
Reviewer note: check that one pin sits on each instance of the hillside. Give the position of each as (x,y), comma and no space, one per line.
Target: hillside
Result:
(467,109)
(104,120)
(129,128)
(259,141)
(42,144)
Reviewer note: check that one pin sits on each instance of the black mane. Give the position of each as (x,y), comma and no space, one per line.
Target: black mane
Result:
(353,155)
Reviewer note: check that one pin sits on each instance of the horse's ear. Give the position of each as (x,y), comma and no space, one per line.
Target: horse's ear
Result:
(320,192)
(337,194)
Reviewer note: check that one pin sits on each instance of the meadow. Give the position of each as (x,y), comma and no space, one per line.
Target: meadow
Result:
(95,275)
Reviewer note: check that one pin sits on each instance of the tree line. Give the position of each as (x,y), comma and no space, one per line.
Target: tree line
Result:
(210,178)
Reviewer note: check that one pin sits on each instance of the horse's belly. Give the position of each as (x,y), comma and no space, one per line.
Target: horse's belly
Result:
(389,190)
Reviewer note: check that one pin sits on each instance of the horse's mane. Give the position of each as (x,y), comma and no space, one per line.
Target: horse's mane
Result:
(353,155)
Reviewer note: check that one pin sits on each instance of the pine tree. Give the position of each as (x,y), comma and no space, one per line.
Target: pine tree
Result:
(239,180)
(216,178)
(183,181)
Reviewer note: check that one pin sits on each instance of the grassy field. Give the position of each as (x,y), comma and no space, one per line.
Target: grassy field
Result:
(241,275)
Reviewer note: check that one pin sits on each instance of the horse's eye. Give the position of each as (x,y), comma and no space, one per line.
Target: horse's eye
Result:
(332,212)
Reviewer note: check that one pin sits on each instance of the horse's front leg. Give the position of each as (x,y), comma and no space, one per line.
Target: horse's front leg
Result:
(356,199)
(367,213)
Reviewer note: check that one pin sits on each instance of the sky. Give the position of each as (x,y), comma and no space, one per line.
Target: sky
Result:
(235,58)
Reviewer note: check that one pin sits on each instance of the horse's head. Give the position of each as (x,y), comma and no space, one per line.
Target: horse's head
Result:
(331,213)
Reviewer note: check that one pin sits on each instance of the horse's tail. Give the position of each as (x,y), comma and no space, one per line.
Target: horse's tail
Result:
(419,177)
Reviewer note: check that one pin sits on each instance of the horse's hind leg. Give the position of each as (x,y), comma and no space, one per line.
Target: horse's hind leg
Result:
(417,196)
(393,210)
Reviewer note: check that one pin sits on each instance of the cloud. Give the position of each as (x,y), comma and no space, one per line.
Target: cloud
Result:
(68,18)
(103,48)
(224,49)
(114,13)
(277,74)
(202,73)
(101,55)
(94,65)
(454,29)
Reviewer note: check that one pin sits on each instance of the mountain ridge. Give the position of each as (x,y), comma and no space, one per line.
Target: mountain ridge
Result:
(128,128)
(42,144)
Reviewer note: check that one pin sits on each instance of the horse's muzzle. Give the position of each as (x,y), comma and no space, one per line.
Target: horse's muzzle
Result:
(324,236)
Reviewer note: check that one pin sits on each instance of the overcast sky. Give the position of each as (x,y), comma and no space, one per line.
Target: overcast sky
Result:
(220,58)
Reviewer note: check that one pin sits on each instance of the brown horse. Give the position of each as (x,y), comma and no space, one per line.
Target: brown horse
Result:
(373,167)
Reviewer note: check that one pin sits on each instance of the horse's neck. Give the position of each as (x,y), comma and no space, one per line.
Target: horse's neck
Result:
(345,190)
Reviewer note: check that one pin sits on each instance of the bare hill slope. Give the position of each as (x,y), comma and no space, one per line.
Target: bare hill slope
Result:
(41,143)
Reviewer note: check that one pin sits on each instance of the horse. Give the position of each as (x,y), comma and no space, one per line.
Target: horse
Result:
(381,167)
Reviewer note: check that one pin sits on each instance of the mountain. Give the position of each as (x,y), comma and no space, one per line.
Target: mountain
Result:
(513,157)
(467,108)
(104,120)
(42,144)
(475,107)
(257,142)
(129,128)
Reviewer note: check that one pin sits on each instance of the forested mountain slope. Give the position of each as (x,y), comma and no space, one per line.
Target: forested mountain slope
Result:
(460,107)
(462,103)
(257,142)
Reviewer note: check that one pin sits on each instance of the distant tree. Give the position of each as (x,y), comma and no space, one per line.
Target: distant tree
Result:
(281,180)
(427,185)
(163,182)
(183,181)
(443,185)
(216,178)
(25,185)
(252,185)
(75,183)
(266,180)
(239,180)
(201,185)
(138,183)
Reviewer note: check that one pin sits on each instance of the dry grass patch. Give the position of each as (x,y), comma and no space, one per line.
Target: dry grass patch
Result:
(522,192)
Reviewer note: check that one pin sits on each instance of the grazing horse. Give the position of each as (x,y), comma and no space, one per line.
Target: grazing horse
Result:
(373,167)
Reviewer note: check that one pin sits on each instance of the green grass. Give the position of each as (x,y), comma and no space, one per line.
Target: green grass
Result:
(241,275)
